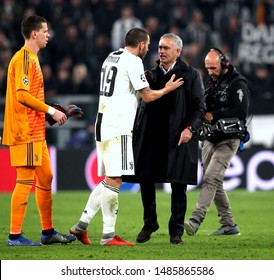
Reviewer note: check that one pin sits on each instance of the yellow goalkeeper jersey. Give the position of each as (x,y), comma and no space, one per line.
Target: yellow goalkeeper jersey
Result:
(21,123)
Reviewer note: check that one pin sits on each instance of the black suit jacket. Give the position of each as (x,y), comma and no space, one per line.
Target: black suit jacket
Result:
(158,126)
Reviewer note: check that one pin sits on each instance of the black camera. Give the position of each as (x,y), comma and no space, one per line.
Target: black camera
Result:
(206,131)
(230,126)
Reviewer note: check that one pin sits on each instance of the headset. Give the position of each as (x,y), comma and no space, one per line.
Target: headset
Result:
(224,61)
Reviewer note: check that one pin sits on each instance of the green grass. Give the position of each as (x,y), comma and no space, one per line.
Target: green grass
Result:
(253,212)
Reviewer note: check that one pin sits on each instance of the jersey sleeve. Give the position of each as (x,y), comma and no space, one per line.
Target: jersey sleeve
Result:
(21,68)
(137,74)
(28,100)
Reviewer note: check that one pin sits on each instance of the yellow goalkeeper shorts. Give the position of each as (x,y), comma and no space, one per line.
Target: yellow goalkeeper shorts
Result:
(29,154)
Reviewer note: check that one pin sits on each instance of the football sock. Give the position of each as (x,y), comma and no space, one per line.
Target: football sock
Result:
(106,237)
(92,206)
(14,236)
(44,203)
(48,231)
(80,226)
(19,202)
(109,209)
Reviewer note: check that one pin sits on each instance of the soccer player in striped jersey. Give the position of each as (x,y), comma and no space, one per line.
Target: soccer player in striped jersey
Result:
(24,133)
(122,82)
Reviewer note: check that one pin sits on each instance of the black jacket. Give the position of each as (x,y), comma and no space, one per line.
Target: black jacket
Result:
(229,97)
(158,126)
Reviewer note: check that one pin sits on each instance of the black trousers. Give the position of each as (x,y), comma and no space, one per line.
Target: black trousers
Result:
(178,207)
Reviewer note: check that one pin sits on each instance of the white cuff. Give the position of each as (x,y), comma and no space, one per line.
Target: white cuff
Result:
(51,111)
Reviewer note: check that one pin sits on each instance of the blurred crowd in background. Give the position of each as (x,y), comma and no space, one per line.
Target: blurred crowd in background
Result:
(83,32)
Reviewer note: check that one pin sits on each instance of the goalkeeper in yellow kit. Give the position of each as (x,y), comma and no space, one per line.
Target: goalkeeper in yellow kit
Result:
(24,133)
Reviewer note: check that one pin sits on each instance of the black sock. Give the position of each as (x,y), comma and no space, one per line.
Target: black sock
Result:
(48,231)
(14,236)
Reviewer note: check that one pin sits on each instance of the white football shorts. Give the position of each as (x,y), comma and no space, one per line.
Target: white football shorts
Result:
(115,157)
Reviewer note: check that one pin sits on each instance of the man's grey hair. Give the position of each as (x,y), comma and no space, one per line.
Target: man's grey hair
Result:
(178,42)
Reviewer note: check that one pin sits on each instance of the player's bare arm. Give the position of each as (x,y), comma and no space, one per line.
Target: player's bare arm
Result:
(149,95)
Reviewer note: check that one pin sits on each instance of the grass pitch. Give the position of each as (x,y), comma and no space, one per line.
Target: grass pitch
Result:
(253,212)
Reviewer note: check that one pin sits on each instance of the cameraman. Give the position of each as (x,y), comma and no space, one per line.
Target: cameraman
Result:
(227,96)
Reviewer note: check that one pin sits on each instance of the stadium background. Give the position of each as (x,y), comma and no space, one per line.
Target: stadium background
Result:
(82,35)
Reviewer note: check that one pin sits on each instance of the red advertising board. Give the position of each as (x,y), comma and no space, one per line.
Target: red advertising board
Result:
(7,173)
(76,169)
